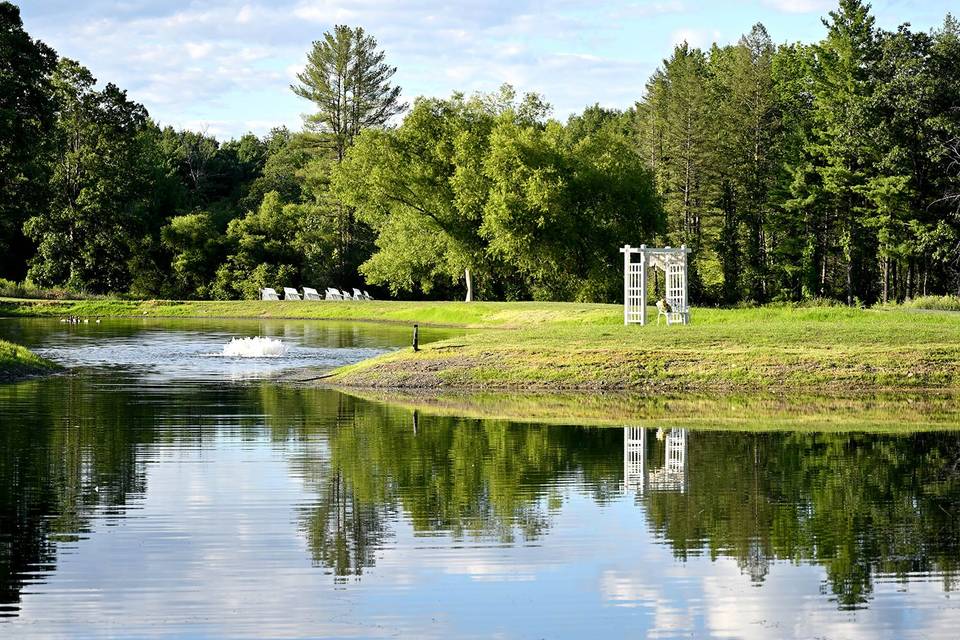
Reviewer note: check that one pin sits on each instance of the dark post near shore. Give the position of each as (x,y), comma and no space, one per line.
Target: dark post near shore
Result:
(416,337)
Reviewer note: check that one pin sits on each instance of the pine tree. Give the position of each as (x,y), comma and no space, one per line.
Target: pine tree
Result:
(675,120)
(840,151)
(349,81)
(746,132)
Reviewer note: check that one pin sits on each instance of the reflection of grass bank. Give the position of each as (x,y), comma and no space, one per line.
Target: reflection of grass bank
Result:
(760,412)
(18,362)
(586,346)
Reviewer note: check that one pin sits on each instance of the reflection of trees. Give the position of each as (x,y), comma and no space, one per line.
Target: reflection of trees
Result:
(466,478)
(61,458)
(858,504)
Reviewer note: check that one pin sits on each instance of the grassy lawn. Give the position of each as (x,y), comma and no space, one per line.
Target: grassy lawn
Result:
(18,362)
(767,348)
(585,346)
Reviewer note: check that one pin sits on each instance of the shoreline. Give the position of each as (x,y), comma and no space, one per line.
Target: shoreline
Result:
(17,363)
(528,346)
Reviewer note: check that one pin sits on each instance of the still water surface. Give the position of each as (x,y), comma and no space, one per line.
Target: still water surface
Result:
(161,489)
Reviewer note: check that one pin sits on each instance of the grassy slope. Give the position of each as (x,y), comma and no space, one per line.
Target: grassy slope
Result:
(561,346)
(816,348)
(18,362)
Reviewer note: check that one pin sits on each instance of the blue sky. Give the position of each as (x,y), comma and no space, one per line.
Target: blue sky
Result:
(225,65)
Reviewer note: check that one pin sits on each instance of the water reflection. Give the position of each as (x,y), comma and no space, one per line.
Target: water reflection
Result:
(669,475)
(187,490)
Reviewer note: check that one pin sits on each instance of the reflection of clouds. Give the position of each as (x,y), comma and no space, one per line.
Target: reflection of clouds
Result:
(713,598)
(215,549)
(630,591)
(483,569)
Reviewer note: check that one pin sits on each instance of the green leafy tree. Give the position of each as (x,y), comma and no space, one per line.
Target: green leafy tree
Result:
(26,122)
(101,186)
(195,246)
(422,189)
(277,245)
(285,159)
(560,205)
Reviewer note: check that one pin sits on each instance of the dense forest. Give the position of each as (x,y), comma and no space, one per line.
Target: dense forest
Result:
(793,171)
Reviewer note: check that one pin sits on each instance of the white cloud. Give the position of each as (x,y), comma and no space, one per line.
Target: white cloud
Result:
(232,60)
(800,6)
(197,50)
(701,38)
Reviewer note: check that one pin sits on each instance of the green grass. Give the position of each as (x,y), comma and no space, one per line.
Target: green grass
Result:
(459,314)
(937,303)
(585,346)
(18,362)
(743,349)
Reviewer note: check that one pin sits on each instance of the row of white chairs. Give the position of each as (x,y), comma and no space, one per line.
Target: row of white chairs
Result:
(337,294)
(289,293)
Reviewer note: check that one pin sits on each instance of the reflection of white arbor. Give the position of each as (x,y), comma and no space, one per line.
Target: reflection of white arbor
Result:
(673,263)
(670,476)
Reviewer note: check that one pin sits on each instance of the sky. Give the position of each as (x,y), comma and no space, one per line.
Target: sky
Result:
(225,66)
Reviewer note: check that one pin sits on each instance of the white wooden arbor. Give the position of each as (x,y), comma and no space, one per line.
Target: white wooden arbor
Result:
(673,263)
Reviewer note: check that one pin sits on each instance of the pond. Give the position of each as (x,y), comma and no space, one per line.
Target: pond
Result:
(161,488)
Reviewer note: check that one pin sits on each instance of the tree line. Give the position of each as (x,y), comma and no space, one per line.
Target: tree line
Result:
(793,171)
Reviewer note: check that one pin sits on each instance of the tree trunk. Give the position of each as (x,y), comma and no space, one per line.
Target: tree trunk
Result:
(849,282)
(469,285)
(886,279)
(909,280)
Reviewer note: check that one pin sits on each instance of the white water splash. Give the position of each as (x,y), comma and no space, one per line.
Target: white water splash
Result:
(254,348)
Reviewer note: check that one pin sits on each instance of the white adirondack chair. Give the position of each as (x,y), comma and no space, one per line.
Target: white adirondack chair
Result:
(289,293)
(333,294)
(310,294)
(268,294)
(663,310)
(367,296)
(346,296)
(672,314)
(357,295)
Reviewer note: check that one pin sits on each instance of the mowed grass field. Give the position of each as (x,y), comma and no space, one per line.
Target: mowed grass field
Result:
(531,345)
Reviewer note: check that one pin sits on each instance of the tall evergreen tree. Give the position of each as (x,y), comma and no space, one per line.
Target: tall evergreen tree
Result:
(748,136)
(840,148)
(675,125)
(349,81)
